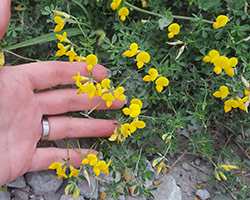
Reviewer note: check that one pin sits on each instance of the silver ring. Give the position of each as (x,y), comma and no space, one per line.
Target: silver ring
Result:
(46,128)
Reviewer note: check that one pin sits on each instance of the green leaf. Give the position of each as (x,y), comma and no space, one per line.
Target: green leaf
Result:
(166,20)
(44,38)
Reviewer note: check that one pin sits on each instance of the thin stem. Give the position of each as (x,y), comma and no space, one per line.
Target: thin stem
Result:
(161,16)
(94,108)
(96,185)
(22,57)
(78,23)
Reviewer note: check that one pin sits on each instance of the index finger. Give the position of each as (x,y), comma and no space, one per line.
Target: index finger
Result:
(48,74)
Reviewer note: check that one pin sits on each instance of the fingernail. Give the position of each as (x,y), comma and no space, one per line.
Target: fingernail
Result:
(109,73)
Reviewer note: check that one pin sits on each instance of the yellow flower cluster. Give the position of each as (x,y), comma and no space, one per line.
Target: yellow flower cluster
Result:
(221,62)
(98,165)
(160,82)
(61,167)
(91,59)
(122,131)
(103,89)
(174,29)
(123,12)
(221,21)
(219,174)
(2,61)
(142,56)
(231,103)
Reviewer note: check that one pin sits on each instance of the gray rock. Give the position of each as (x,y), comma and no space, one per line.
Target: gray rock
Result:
(203,194)
(4,195)
(148,183)
(70,197)
(197,162)
(135,198)
(186,166)
(43,181)
(37,198)
(221,197)
(168,190)
(86,190)
(52,196)
(108,178)
(17,183)
(20,194)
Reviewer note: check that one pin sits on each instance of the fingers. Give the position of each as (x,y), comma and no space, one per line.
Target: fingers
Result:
(48,74)
(5,16)
(64,100)
(67,127)
(44,157)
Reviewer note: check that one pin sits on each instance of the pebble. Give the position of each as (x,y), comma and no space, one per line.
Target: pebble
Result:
(4,195)
(20,194)
(52,196)
(186,166)
(86,190)
(197,162)
(203,194)
(43,181)
(17,183)
(70,197)
(168,190)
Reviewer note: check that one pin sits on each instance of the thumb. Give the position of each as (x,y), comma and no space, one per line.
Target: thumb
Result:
(5,13)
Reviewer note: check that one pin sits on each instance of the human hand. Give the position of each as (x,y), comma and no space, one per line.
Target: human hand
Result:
(21,112)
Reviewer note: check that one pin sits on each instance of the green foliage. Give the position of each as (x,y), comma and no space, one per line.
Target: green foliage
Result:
(187,100)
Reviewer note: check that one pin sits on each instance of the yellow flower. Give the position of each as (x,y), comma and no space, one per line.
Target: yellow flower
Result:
(60,23)
(227,167)
(101,166)
(62,14)
(80,58)
(115,4)
(212,56)
(60,168)
(153,74)
(73,172)
(63,37)
(137,124)
(144,4)
(61,172)
(114,136)
(221,21)
(142,57)
(79,78)
(173,29)
(106,83)
(222,62)
(109,98)
(103,195)
(229,104)
(232,63)
(91,60)
(90,88)
(125,129)
(222,175)
(136,101)
(76,192)
(119,93)
(91,160)
(222,93)
(133,49)
(72,54)
(246,92)
(99,91)
(241,102)
(159,168)
(62,49)
(1,58)
(217,176)
(123,12)
(160,82)
(133,111)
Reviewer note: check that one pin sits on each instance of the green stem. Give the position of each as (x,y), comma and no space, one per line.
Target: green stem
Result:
(161,16)
(78,23)
(22,57)
(94,108)
(96,185)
